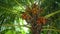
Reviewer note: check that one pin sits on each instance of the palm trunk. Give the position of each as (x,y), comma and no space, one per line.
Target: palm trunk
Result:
(36,29)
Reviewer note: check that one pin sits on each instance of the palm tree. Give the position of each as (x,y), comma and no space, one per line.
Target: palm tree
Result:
(42,16)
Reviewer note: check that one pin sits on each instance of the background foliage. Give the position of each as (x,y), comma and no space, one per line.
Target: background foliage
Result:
(12,23)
